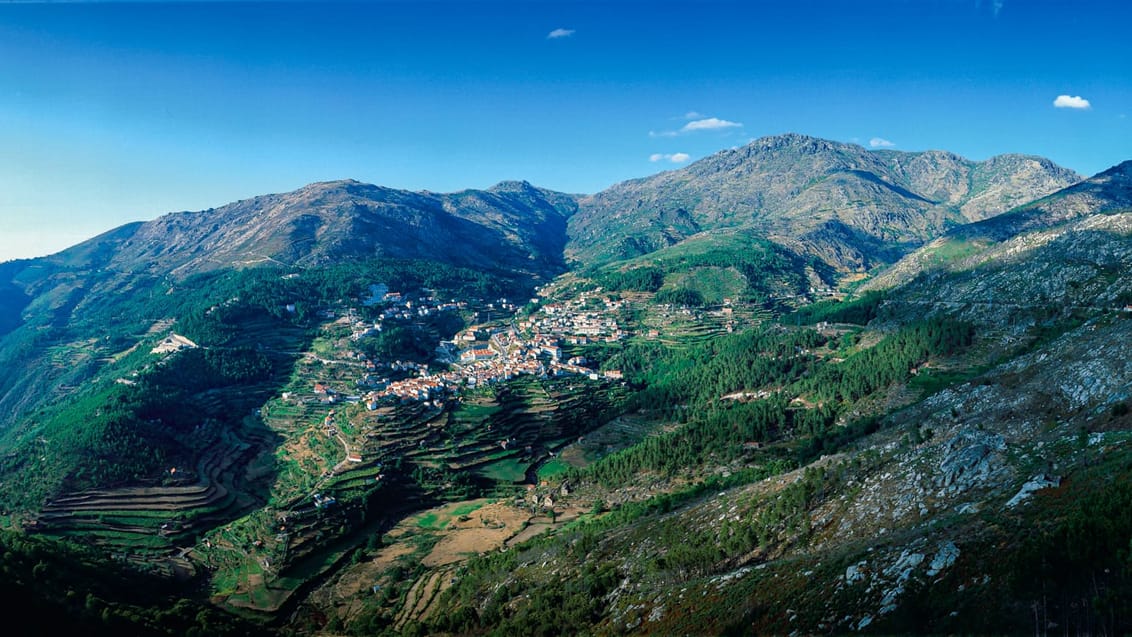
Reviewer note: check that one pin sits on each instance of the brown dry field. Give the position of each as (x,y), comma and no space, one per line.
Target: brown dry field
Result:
(484,529)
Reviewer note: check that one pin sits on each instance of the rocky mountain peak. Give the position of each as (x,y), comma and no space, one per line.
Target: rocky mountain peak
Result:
(512,185)
(804,143)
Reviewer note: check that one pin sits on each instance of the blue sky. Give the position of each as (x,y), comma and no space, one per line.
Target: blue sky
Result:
(113,112)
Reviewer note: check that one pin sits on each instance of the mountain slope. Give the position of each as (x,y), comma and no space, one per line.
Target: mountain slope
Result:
(1060,217)
(994,488)
(850,207)
(961,515)
(1106,191)
(514,225)
(64,300)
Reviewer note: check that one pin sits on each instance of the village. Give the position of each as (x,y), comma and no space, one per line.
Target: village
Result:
(479,356)
(470,356)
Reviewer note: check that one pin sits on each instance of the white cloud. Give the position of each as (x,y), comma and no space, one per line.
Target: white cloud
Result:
(880,142)
(559,33)
(698,123)
(710,123)
(676,158)
(1071,101)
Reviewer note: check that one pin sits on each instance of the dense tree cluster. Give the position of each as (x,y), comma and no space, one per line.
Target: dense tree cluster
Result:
(859,311)
(688,385)
(1078,571)
(890,361)
(680,296)
(642,279)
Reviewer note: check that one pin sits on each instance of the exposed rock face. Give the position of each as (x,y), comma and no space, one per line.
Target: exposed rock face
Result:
(969,460)
(898,574)
(850,207)
(944,557)
(1037,483)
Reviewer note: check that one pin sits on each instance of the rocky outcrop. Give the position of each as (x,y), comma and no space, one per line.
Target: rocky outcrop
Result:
(970,459)
(1037,483)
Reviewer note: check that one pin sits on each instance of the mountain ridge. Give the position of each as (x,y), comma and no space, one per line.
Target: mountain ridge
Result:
(326,220)
(1106,193)
(818,197)
(816,211)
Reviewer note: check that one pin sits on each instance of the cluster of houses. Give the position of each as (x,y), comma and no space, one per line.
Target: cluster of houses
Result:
(487,355)
(419,388)
(577,324)
(398,307)
(503,357)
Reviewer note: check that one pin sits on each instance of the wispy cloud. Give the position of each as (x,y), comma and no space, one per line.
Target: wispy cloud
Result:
(880,142)
(1071,101)
(676,158)
(559,33)
(696,124)
(996,6)
(710,123)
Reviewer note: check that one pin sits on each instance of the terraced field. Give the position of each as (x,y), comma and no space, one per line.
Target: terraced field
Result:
(159,520)
(677,329)
(501,436)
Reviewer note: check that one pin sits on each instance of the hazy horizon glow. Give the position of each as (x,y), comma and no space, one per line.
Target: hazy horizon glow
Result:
(117,112)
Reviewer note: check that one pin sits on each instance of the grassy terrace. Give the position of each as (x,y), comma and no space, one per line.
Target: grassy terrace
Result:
(161,517)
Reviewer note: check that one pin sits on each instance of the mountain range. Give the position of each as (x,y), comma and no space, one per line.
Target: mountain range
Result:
(851,208)
(840,387)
